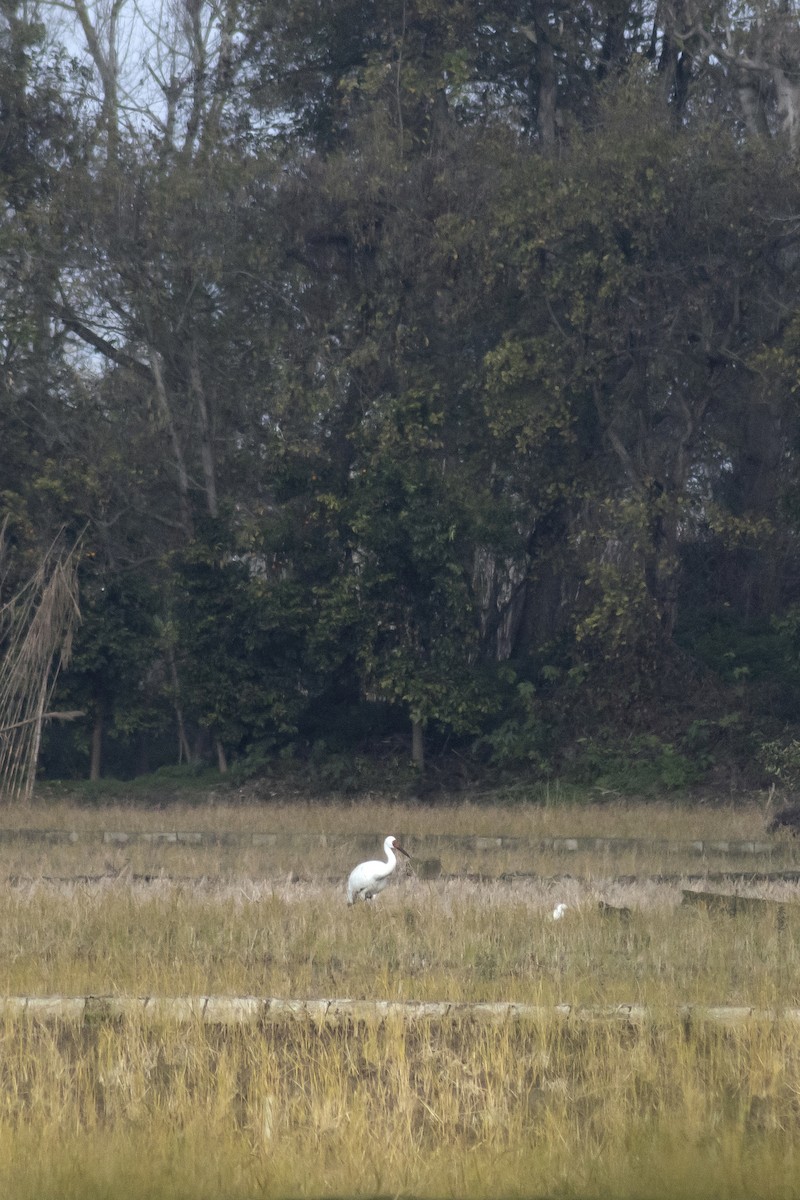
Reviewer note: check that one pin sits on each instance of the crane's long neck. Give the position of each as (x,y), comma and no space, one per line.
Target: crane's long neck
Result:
(391,861)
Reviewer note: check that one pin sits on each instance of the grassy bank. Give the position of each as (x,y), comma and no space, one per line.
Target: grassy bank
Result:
(449,1110)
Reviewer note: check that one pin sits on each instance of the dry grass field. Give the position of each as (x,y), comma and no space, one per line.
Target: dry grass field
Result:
(367,822)
(454,1108)
(552,813)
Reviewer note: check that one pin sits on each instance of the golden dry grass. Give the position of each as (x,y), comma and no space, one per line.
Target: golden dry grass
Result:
(423,941)
(316,864)
(367,822)
(274,811)
(547,1108)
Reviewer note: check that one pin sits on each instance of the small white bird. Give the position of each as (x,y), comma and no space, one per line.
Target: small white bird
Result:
(369,878)
(558,912)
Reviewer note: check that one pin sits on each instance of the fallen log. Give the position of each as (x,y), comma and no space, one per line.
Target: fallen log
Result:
(730,903)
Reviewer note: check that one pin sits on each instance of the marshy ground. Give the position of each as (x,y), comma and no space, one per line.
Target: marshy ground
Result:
(552,1107)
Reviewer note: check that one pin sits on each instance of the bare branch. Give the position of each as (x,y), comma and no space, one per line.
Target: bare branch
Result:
(68,715)
(72,321)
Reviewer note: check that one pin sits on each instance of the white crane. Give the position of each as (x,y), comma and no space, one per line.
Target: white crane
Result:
(369,878)
(558,912)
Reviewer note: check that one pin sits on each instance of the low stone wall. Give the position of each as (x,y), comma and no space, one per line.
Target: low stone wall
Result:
(255,1010)
(428,844)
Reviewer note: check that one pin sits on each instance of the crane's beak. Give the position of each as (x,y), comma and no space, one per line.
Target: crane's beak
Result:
(397,846)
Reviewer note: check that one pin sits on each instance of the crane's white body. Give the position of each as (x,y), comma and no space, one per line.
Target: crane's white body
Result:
(558,912)
(369,878)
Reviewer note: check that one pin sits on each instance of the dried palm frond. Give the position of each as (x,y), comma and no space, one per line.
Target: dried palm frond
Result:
(36,628)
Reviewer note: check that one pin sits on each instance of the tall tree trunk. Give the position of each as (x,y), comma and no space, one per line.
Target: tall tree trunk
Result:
(662,566)
(787,90)
(162,401)
(101,42)
(547,90)
(96,751)
(760,475)
(417,745)
(206,446)
(184,750)
(142,754)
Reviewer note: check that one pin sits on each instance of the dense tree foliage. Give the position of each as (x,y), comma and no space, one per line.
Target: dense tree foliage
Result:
(409,366)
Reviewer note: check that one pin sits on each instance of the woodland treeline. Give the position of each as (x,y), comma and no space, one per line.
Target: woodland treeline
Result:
(409,367)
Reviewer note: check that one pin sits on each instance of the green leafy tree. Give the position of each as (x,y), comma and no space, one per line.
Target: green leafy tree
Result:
(37,133)
(405,602)
(398,340)
(638,304)
(113,675)
(242,631)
